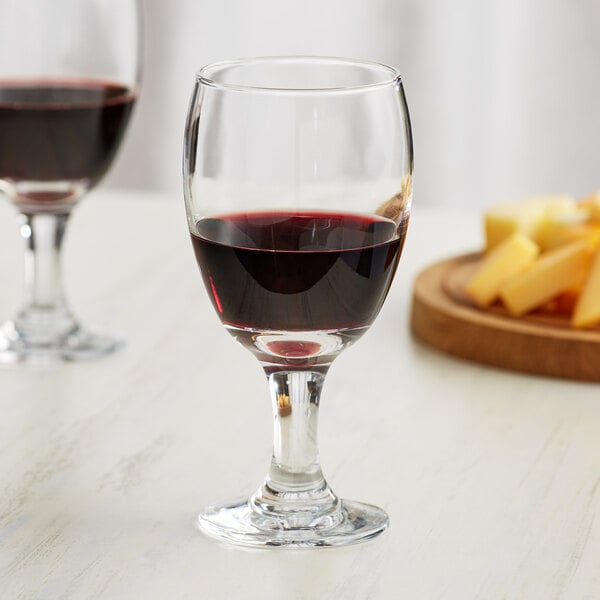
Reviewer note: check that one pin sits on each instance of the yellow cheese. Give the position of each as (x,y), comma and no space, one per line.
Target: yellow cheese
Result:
(555,232)
(559,204)
(509,258)
(554,272)
(502,220)
(528,217)
(587,309)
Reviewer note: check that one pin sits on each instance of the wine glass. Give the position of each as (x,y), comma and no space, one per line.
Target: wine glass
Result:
(69,75)
(297,179)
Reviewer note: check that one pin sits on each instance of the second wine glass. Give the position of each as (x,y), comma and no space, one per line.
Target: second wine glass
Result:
(69,76)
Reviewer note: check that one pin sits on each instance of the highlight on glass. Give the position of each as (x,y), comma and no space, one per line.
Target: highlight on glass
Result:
(69,77)
(298,186)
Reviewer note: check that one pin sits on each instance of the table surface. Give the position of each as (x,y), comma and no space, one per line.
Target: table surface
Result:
(491,478)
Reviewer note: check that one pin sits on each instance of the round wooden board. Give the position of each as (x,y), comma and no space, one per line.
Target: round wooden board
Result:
(545,344)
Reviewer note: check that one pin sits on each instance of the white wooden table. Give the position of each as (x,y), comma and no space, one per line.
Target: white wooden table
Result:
(491,479)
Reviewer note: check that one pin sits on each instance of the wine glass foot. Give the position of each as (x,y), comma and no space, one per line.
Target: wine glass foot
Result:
(79,345)
(239,524)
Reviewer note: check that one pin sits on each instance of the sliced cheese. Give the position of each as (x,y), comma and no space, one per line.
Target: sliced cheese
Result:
(587,309)
(511,257)
(554,272)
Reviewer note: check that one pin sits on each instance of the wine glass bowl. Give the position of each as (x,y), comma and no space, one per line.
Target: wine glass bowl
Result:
(298,185)
(69,76)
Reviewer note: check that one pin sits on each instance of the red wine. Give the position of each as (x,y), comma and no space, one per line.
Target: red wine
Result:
(60,130)
(286,271)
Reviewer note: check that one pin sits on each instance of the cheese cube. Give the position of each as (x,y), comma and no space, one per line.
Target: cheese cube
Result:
(587,309)
(528,217)
(557,205)
(509,258)
(502,220)
(554,272)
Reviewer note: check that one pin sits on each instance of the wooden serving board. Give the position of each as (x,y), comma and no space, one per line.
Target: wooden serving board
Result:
(542,343)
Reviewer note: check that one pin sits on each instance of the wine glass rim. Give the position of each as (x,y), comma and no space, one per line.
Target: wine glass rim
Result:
(207,74)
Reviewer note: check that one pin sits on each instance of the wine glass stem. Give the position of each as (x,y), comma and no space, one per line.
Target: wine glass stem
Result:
(45,314)
(295,489)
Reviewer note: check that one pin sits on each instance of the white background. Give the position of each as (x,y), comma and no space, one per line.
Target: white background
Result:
(504,94)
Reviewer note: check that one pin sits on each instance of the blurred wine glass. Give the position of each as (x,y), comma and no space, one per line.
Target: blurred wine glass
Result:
(69,77)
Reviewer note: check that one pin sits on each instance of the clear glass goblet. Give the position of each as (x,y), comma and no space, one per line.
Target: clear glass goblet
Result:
(69,75)
(297,179)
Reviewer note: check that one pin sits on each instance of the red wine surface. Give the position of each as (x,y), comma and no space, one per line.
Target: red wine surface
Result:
(60,130)
(288,271)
